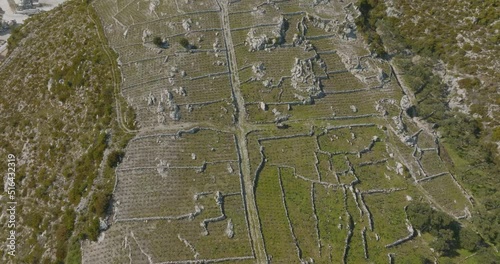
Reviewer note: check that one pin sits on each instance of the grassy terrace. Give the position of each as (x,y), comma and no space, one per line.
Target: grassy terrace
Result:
(211,178)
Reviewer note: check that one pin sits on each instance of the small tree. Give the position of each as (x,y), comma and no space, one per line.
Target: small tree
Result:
(115,157)
(184,42)
(157,41)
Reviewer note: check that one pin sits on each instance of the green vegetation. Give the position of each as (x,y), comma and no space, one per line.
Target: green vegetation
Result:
(59,90)
(448,234)
(16,36)
(184,43)
(371,12)
(115,157)
(416,49)
(157,41)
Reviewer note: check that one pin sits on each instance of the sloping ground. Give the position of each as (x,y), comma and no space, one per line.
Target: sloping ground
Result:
(57,119)
(276,112)
(447,57)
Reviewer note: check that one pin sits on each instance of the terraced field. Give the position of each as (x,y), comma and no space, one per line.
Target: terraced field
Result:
(278,139)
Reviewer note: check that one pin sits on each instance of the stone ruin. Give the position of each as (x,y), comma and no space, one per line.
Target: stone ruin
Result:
(303,78)
(258,69)
(256,42)
(186,24)
(261,42)
(153,4)
(166,104)
(146,33)
(216,45)
(324,24)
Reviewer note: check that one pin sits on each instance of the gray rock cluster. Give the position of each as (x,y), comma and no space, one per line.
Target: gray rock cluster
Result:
(303,77)
(153,4)
(146,33)
(264,41)
(258,70)
(229,228)
(167,106)
(186,24)
(254,42)
(316,21)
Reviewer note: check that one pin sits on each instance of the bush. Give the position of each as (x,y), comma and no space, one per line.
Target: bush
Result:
(115,157)
(184,43)
(157,41)
(496,134)
(100,203)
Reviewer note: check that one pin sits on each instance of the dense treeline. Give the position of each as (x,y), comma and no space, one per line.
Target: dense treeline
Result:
(468,146)
(371,12)
(449,234)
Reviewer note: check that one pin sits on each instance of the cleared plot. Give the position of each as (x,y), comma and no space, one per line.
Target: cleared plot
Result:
(278,63)
(193,91)
(175,241)
(426,140)
(169,150)
(389,223)
(134,12)
(174,68)
(217,113)
(447,194)
(238,245)
(339,164)
(298,197)
(137,52)
(237,6)
(432,163)
(331,222)
(340,104)
(378,177)
(293,152)
(342,81)
(278,239)
(191,7)
(252,18)
(324,43)
(354,250)
(353,140)
(333,62)
(148,193)
(179,25)
(112,249)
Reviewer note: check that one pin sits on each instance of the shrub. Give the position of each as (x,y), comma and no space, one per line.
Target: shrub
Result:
(496,134)
(157,41)
(115,157)
(184,43)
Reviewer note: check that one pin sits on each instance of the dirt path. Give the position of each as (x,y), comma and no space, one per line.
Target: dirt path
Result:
(242,129)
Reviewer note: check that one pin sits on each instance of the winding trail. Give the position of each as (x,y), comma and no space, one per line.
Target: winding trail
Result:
(241,131)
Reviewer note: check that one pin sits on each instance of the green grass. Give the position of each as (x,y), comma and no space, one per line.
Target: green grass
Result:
(277,237)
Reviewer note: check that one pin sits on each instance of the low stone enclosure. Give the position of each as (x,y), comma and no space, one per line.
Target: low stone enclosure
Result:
(272,136)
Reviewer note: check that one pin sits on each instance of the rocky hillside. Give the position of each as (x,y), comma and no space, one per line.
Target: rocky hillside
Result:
(58,119)
(447,56)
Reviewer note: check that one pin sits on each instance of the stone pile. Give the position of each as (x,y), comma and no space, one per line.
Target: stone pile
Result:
(303,78)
